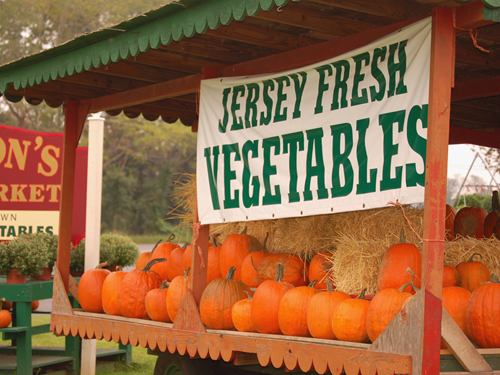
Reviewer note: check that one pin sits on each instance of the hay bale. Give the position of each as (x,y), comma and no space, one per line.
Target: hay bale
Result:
(462,248)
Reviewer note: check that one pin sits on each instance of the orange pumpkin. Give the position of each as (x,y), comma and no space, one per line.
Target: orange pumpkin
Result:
(176,292)
(292,311)
(455,302)
(234,250)
(242,314)
(90,289)
(491,220)
(5,315)
(266,301)
(483,315)
(349,319)
(319,269)
(450,276)
(163,250)
(449,224)
(35,305)
(218,299)
(294,269)
(469,222)
(156,304)
(320,311)
(144,257)
(110,289)
(174,263)
(397,259)
(136,284)
(472,274)
(384,307)
(7,305)
(250,266)
(213,267)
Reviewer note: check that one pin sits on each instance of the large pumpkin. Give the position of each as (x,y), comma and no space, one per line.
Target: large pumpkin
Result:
(449,224)
(292,311)
(483,315)
(136,284)
(176,292)
(469,222)
(234,250)
(384,307)
(5,315)
(90,289)
(242,314)
(110,289)
(320,311)
(266,301)
(472,273)
(156,303)
(163,250)
(294,269)
(450,276)
(174,263)
(393,268)
(250,266)
(319,269)
(455,302)
(218,299)
(349,319)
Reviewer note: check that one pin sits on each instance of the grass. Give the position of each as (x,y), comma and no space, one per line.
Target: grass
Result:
(180,237)
(142,363)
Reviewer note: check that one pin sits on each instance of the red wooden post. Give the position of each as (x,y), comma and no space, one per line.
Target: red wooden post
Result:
(441,79)
(74,121)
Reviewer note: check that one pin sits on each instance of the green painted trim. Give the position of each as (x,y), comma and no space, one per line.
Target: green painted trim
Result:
(492,4)
(170,23)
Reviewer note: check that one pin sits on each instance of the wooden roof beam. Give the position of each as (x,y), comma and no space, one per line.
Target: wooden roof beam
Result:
(479,88)
(470,16)
(460,135)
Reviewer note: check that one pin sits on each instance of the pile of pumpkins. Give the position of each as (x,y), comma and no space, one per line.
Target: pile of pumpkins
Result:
(271,293)
(6,316)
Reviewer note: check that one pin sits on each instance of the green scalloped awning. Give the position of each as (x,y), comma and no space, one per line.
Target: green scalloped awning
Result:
(161,26)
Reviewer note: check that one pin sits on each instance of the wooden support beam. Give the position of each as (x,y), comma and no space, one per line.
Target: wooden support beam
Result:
(460,135)
(470,16)
(479,88)
(75,116)
(441,79)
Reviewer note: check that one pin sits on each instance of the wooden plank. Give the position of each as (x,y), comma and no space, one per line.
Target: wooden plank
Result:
(245,359)
(461,347)
(479,88)
(441,78)
(188,317)
(460,135)
(470,16)
(73,288)
(60,301)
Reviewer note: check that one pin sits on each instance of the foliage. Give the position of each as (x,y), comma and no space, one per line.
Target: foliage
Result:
(26,254)
(479,200)
(4,259)
(114,249)
(48,239)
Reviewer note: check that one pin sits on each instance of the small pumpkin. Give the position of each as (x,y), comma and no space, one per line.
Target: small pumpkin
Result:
(472,273)
(483,315)
(213,267)
(90,289)
(7,305)
(292,311)
(266,301)
(242,314)
(218,299)
(294,269)
(469,222)
(449,223)
(176,292)
(384,307)
(320,311)
(5,315)
(35,305)
(174,263)
(135,285)
(250,266)
(455,302)
(234,250)
(349,319)
(397,259)
(450,276)
(144,257)
(319,269)
(110,289)
(156,304)
(163,250)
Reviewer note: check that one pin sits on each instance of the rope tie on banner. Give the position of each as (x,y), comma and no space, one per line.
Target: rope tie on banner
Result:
(196,234)
(414,231)
(473,35)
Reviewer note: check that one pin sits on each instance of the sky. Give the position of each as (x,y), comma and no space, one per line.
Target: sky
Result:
(460,158)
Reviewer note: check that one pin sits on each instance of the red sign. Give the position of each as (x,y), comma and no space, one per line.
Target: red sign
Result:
(30,183)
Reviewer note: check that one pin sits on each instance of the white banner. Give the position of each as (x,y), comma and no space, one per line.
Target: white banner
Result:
(341,135)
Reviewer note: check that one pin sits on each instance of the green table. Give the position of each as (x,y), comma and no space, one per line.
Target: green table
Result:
(22,331)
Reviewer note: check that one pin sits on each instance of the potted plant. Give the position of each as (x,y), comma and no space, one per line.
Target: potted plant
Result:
(50,240)
(77,259)
(24,257)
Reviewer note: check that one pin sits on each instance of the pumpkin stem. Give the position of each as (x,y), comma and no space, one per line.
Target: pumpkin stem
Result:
(154,248)
(494,279)
(214,241)
(119,268)
(253,264)
(171,238)
(495,203)
(164,284)
(264,249)
(230,273)
(186,271)
(280,273)
(101,265)
(471,259)
(362,294)
(244,231)
(329,285)
(402,238)
(151,263)
(313,283)
(249,295)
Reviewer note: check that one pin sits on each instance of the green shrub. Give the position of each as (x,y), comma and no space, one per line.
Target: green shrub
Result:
(27,254)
